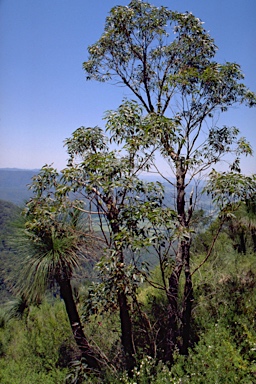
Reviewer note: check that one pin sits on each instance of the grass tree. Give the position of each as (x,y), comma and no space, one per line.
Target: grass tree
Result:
(235,195)
(52,244)
(250,219)
(242,227)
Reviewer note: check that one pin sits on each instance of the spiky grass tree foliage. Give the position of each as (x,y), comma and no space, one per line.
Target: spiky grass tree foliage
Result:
(242,227)
(52,243)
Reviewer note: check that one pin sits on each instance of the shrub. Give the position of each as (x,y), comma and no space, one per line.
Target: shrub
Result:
(31,346)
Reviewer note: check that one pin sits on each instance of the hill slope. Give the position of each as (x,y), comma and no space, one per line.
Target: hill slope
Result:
(14,184)
(8,258)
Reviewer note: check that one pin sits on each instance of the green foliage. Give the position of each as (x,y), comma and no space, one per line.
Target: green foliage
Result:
(34,349)
(9,259)
(48,238)
(31,347)
(223,320)
(166,58)
(215,359)
(147,372)
(230,188)
(103,331)
(224,349)
(126,52)
(241,227)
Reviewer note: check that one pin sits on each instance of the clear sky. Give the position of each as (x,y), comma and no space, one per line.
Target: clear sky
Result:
(44,95)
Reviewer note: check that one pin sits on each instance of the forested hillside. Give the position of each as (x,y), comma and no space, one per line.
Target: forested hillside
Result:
(36,344)
(8,257)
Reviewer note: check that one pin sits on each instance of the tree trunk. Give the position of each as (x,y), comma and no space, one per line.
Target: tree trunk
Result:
(126,322)
(126,330)
(187,301)
(74,319)
(253,234)
(124,309)
(175,329)
(242,242)
(173,310)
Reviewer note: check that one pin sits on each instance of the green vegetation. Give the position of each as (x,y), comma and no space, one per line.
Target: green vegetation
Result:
(9,259)
(166,60)
(34,348)
(38,347)
(191,318)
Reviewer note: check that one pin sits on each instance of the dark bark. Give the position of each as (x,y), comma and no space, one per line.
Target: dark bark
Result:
(242,242)
(187,302)
(124,308)
(77,329)
(179,321)
(126,322)
(173,310)
(253,233)
(126,330)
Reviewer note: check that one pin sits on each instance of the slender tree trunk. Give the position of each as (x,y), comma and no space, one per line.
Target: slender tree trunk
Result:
(173,310)
(242,242)
(126,330)
(179,324)
(77,329)
(253,234)
(124,308)
(126,322)
(187,301)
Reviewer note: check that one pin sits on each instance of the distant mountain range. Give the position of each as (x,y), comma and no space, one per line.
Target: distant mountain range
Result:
(14,187)
(14,184)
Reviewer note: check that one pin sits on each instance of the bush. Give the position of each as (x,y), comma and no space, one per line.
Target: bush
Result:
(31,346)
(215,359)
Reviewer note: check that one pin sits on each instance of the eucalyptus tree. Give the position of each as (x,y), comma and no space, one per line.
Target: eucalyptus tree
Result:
(53,244)
(109,180)
(166,60)
(103,182)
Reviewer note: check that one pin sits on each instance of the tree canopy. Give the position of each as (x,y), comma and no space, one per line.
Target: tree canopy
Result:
(167,60)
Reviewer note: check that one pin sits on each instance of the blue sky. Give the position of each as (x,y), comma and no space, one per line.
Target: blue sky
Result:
(44,95)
